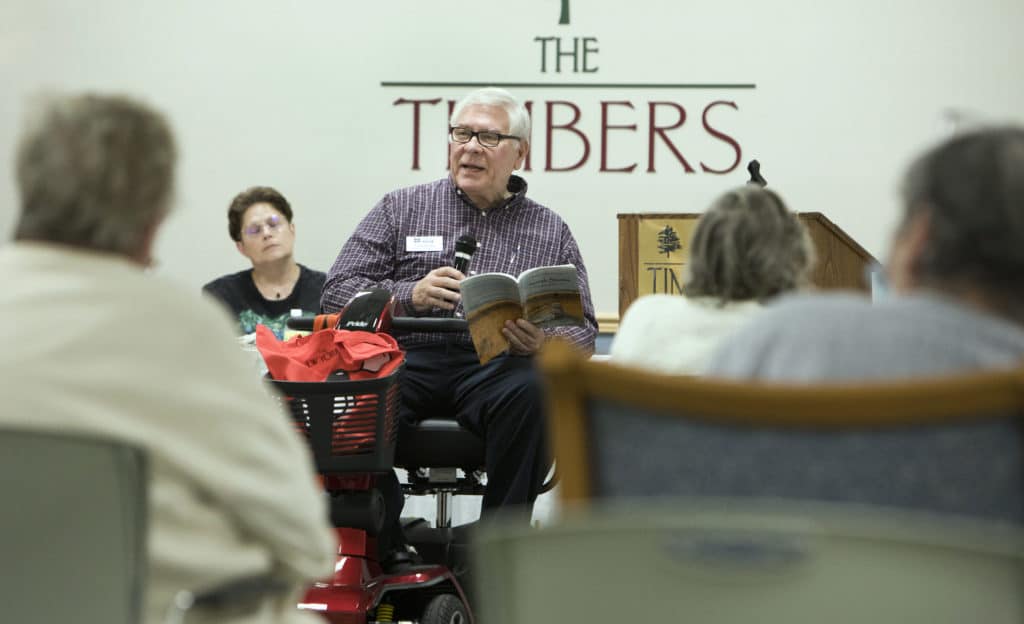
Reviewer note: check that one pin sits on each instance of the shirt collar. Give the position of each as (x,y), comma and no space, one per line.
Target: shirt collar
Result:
(516,185)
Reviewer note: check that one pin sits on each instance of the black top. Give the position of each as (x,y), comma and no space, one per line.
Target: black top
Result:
(239,293)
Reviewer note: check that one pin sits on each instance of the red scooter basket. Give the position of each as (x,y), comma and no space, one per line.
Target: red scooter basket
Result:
(350,425)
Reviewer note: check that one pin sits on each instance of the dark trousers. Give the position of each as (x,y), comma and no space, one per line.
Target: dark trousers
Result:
(499,401)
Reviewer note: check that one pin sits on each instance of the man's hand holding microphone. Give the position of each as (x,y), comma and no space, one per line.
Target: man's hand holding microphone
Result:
(440,287)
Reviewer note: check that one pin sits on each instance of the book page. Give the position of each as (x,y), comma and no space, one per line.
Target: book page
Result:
(479,291)
(490,299)
(552,296)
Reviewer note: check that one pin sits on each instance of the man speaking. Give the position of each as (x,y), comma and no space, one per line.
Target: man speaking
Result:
(406,244)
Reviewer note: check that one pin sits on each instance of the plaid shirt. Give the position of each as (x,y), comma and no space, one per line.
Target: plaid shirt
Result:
(519,235)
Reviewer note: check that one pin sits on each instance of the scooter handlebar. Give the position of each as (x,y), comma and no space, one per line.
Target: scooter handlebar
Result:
(428,324)
(398,323)
(300,323)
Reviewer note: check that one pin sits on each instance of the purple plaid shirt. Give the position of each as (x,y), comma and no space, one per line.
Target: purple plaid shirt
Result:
(519,235)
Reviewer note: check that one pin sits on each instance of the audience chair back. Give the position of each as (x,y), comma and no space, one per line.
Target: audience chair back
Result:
(951,446)
(717,564)
(72,529)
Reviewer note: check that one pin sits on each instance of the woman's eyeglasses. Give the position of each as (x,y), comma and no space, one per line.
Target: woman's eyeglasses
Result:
(273,223)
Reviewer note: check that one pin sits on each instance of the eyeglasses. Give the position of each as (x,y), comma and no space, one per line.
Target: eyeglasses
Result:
(484,137)
(273,223)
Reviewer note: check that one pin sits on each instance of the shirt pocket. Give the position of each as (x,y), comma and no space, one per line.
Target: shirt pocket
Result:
(416,264)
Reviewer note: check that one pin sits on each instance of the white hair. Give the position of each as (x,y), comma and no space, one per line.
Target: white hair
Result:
(518,116)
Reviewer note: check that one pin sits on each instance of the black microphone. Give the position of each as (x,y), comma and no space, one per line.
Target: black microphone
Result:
(465,247)
(755,174)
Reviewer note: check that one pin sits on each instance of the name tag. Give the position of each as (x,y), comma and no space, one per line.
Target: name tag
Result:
(424,243)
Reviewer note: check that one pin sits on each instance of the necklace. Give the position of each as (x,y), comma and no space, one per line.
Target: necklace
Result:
(268,289)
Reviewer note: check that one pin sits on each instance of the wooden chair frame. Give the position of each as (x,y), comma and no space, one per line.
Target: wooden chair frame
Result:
(571,380)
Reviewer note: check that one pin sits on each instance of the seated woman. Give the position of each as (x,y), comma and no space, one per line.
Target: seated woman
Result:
(260,223)
(747,248)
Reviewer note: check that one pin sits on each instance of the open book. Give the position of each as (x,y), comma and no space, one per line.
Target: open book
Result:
(546,296)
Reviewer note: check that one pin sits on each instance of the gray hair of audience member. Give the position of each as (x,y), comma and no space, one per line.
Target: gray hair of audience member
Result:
(518,116)
(748,246)
(94,171)
(972,188)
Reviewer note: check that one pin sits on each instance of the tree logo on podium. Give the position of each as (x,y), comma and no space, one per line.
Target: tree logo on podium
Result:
(564,17)
(668,241)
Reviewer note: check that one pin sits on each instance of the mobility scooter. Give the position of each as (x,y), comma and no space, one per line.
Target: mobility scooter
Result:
(351,425)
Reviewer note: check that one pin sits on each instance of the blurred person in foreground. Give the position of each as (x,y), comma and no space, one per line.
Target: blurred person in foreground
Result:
(747,249)
(260,223)
(955,272)
(406,243)
(94,345)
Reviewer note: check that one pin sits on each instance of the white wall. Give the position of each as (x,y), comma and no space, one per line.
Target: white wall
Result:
(288,94)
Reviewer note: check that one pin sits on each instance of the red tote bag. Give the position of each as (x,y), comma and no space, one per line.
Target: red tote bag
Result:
(361,354)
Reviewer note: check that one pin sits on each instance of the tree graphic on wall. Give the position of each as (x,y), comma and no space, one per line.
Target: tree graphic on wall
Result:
(668,241)
(564,18)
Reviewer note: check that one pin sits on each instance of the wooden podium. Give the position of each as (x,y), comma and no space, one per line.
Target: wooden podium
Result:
(653,251)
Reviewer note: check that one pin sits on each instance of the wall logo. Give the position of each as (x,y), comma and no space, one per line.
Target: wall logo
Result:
(628,128)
